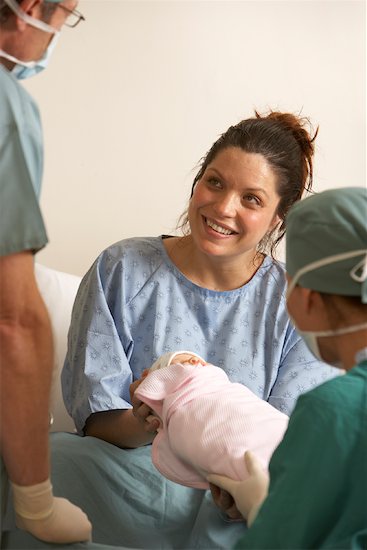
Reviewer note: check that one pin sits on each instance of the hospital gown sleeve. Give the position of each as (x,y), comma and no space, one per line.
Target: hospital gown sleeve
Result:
(96,374)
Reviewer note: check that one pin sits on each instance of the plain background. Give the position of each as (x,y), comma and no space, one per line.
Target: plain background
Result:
(136,95)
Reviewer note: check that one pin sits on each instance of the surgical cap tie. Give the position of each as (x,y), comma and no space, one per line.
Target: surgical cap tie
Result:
(360,278)
(362,265)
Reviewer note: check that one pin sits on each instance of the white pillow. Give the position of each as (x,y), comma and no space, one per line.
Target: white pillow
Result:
(58,290)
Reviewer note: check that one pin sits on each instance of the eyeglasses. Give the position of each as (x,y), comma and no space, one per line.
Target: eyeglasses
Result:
(74,17)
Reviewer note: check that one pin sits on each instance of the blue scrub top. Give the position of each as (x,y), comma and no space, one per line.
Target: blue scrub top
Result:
(21,168)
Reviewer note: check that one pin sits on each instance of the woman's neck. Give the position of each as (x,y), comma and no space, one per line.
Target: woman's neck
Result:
(213,273)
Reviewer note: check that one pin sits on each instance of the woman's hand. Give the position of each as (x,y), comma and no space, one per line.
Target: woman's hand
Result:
(225,502)
(141,411)
(249,494)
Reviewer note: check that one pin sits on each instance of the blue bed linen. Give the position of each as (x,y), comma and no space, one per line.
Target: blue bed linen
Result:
(128,502)
(20,540)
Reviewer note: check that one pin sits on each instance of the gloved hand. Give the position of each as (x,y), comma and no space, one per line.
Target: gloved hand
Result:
(248,494)
(49,518)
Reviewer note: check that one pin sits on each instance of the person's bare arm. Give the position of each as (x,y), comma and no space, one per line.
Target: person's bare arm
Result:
(119,427)
(124,428)
(26,358)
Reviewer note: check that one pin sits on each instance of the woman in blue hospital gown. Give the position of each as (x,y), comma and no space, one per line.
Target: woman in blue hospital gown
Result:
(215,291)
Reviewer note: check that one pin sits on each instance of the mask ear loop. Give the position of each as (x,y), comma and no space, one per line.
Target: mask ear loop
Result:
(14,6)
(362,267)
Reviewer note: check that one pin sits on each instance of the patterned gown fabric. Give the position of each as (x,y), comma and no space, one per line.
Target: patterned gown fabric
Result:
(134,305)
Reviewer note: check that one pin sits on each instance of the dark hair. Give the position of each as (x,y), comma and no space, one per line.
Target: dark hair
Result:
(48,9)
(285,142)
(5,11)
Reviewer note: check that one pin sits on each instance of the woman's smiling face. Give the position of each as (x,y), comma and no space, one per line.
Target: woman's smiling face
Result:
(234,204)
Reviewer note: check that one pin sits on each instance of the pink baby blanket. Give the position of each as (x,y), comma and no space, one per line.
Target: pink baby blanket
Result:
(208,423)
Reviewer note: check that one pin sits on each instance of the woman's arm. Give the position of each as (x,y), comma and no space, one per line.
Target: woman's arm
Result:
(97,373)
(124,428)
(121,428)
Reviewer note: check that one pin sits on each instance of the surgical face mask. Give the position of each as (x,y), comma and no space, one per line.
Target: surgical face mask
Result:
(27,69)
(310,337)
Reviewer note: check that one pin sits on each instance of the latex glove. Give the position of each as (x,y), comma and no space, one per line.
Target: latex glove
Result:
(49,518)
(248,494)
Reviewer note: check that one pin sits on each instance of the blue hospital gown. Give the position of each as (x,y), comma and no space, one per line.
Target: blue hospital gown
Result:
(134,305)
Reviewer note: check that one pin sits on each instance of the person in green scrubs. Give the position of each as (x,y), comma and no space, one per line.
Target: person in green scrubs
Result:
(317,495)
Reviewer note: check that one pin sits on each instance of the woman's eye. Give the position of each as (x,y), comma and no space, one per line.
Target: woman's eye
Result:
(213,182)
(252,199)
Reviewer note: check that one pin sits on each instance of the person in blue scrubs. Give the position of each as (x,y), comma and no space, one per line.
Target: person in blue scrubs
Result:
(28,32)
(317,497)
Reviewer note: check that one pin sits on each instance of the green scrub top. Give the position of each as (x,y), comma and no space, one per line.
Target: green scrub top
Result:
(21,167)
(318,490)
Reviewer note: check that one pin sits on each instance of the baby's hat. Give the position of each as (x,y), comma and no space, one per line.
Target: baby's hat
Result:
(167,359)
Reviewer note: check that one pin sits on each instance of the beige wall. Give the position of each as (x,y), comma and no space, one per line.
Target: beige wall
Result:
(136,95)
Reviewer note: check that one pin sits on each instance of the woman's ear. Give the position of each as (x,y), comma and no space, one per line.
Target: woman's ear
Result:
(314,307)
(312,299)
(276,221)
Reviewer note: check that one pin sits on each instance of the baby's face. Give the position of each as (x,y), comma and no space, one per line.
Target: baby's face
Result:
(187,358)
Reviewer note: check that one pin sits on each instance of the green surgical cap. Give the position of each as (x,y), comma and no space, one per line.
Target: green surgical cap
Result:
(327,224)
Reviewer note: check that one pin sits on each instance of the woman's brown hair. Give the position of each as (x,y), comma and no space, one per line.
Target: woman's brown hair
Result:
(286,141)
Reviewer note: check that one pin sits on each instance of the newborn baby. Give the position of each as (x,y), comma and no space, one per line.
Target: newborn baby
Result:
(207,422)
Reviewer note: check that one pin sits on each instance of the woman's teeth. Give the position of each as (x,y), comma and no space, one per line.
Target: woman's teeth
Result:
(218,228)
